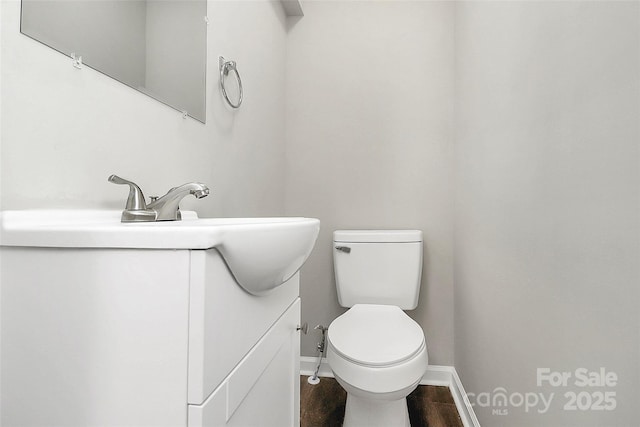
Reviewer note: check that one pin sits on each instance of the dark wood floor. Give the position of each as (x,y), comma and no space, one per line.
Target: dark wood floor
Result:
(322,405)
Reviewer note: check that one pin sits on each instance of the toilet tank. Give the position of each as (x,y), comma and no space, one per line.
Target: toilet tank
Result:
(378,267)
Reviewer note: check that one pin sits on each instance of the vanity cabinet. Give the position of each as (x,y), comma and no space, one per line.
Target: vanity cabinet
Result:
(262,389)
(143,337)
(254,380)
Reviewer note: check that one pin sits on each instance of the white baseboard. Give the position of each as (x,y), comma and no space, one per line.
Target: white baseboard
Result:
(445,376)
(448,376)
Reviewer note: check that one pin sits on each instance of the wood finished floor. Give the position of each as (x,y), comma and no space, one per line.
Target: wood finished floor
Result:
(322,405)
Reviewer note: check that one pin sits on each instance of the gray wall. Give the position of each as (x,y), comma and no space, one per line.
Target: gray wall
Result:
(369,143)
(1,113)
(65,130)
(547,234)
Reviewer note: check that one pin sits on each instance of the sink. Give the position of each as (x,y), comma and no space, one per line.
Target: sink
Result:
(261,253)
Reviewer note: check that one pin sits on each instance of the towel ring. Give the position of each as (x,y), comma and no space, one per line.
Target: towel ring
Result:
(225,68)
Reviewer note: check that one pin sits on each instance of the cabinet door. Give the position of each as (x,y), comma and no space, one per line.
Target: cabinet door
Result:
(94,337)
(264,388)
(222,315)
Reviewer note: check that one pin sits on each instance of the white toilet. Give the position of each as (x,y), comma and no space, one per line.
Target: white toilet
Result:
(377,353)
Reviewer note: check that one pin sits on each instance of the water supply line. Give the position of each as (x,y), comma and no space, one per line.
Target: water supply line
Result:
(314,379)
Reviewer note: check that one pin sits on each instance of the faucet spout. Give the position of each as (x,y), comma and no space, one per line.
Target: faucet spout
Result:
(168,206)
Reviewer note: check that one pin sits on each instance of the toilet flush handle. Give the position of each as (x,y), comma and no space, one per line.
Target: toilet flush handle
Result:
(345,249)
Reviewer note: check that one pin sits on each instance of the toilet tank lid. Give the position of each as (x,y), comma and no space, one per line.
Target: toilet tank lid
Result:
(377,236)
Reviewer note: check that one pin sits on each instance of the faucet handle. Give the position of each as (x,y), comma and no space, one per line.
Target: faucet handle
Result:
(135,201)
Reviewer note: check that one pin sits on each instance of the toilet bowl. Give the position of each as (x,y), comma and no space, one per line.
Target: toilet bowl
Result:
(377,353)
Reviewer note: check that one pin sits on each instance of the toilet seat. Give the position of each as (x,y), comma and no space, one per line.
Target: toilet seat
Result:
(376,336)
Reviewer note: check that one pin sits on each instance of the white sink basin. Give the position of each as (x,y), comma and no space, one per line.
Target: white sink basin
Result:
(262,253)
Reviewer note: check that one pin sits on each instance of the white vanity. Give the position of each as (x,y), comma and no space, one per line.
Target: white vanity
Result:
(190,323)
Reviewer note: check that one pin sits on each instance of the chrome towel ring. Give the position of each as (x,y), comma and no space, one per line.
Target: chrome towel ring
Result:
(225,68)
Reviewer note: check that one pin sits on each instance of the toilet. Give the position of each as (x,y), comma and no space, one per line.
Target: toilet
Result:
(377,353)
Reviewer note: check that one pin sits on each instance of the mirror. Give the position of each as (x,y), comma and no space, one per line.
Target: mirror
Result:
(155,46)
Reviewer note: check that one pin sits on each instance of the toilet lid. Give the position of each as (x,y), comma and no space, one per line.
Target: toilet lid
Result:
(375,335)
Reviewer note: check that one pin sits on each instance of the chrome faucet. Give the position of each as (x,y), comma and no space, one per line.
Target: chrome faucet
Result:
(165,208)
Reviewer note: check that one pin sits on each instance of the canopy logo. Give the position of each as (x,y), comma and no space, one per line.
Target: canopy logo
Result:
(593,393)
(499,400)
